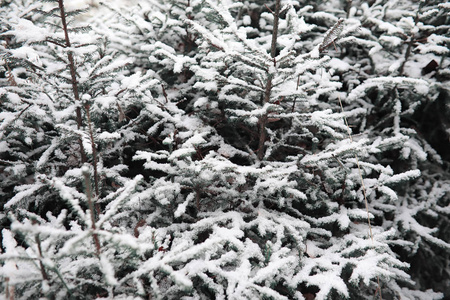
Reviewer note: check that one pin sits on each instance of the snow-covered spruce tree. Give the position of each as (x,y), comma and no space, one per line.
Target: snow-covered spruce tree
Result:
(275,172)
(400,42)
(67,112)
(231,111)
(303,164)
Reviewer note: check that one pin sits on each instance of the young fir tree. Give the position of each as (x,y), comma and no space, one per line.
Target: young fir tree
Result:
(231,97)
(253,185)
(408,41)
(64,123)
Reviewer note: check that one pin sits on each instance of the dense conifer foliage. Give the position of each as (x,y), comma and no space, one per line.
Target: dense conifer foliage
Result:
(224,149)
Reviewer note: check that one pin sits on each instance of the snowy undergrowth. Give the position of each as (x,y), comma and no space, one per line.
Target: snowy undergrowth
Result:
(199,150)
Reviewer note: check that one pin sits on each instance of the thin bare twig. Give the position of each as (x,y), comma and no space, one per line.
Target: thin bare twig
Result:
(164,93)
(271,11)
(41,265)
(55,43)
(411,42)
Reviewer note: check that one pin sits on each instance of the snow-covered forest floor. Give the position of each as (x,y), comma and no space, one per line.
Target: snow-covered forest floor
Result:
(224,149)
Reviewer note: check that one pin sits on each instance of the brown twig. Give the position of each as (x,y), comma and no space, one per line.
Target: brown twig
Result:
(275,29)
(94,157)
(411,43)
(268,90)
(197,198)
(87,182)
(139,224)
(121,112)
(271,11)
(73,76)
(55,43)
(164,93)
(94,150)
(407,54)
(38,243)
